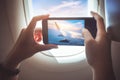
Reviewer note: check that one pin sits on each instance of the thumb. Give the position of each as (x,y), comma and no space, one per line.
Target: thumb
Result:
(46,47)
(87,35)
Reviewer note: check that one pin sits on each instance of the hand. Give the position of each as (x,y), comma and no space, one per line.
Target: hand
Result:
(26,46)
(38,34)
(98,51)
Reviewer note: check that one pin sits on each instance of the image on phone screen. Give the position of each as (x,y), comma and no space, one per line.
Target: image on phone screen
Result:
(66,32)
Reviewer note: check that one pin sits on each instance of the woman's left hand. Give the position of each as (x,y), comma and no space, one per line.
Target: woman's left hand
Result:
(26,45)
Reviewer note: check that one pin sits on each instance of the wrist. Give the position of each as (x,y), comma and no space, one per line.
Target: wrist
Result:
(12,61)
(7,71)
(104,71)
(10,65)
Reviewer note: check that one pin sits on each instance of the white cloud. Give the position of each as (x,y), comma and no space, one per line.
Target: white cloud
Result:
(66,26)
(67,8)
(70,8)
(64,5)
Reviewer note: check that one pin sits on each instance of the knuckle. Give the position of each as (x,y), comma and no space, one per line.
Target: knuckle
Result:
(89,42)
(23,30)
(33,19)
(100,18)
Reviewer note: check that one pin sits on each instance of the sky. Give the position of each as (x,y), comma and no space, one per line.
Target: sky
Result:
(74,28)
(63,8)
(71,25)
(60,8)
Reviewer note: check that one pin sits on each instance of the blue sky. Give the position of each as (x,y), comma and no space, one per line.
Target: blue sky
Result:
(60,7)
(47,3)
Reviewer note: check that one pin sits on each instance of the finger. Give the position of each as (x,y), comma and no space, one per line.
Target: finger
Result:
(34,20)
(38,34)
(100,24)
(21,33)
(87,35)
(46,47)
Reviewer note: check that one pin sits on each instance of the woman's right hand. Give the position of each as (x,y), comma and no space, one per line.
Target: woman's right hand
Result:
(98,51)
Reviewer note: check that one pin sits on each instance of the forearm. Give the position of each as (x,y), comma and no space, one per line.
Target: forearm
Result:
(7,73)
(9,68)
(7,77)
(104,71)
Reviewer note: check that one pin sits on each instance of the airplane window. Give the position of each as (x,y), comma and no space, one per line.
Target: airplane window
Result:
(61,8)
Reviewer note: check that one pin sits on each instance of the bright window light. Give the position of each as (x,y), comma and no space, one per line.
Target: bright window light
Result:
(61,8)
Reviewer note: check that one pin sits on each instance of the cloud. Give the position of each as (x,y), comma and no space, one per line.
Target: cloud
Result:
(73,29)
(65,25)
(64,5)
(76,8)
(67,8)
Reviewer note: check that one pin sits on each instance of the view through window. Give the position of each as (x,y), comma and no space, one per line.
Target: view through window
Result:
(63,8)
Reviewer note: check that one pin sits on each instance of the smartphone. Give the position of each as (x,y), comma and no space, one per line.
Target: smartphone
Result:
(67,31)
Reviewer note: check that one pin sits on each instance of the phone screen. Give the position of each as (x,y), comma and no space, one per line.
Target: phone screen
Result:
(66,32)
